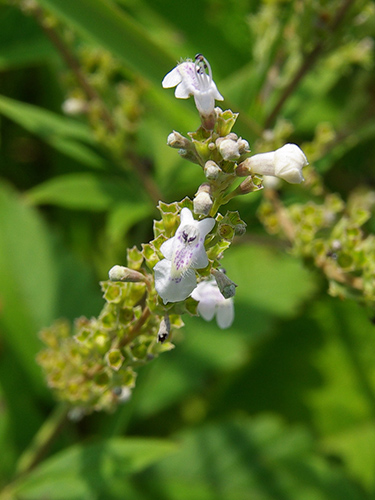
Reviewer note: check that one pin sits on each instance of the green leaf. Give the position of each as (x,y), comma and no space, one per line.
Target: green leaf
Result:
(247,458)
(93,471)
(27,278)
(62,133)
(25,46)
(86,191)
(42,122)
(268,279)
(343,408)
(109,26)
(123,217)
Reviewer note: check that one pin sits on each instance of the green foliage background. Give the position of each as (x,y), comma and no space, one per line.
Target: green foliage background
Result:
(282,405)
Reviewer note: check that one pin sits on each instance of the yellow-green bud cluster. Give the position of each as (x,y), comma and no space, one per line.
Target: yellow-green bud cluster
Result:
(92,363)
(333,235)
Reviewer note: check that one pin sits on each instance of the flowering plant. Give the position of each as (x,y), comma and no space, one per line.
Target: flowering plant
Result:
(93,138)
(180,270)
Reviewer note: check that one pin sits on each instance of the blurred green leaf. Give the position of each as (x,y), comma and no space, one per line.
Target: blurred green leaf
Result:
(86,191)
(93,471)
(25,53)
(106,24)
(27,278)
(24,46)
(62,133)
(123,217)
(42,122)
(268,280)
(343,408)
(247,458)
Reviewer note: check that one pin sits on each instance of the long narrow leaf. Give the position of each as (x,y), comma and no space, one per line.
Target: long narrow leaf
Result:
(109,26)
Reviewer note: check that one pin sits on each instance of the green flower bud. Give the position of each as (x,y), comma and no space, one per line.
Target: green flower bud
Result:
(226,286)
(121,273)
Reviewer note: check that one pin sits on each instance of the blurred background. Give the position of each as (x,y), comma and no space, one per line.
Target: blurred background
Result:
(282,405)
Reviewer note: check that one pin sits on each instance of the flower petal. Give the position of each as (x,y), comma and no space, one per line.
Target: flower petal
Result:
(186,217)
(172,79)
(205,226)
(204,102)
(225,313)
(199,258)
(216,93)
(206,309)
(183,90)
(167,248)
(173,289)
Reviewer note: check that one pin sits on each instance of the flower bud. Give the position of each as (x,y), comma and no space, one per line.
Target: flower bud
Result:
(286,163)
(262,164)
(121,273)
(270,182)
(203,201)
(243,146)
(289,161)
(228,149)
(164,329)
(231,147)
(211,170)
(123,394)
(189,155)
(74,106)
(177,141)
(249,185)
(226,286)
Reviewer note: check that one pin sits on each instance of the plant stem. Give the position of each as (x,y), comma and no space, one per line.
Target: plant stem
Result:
(330,270)
(135,330)
(43,440)
(307,64)
(92,95)
(72,62)
(38,448)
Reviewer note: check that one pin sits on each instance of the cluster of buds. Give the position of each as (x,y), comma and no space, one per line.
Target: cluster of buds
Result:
(92,365)
(223,155)
(331,234)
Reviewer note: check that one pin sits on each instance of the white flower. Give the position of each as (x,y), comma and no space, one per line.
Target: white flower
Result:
(285,163)
(211,302)
(289,161)
(194,79)
(174,276)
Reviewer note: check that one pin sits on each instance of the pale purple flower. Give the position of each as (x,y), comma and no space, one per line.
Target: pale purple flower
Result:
(174,276)
(194,79)
(211,303)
